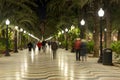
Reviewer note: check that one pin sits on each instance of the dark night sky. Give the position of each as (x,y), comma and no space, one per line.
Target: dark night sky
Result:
(41,9)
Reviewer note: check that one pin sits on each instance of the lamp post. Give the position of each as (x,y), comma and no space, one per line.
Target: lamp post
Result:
(100,14)
(21,30)
(62,37)
(7,43)
(82,22)
(105,39)
(15,40)
(66,30)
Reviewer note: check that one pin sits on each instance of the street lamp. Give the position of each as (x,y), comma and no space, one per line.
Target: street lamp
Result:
(82,22)
(66,30)
(24,32)
(15,40)
(7,43)
(62,32)
(100,14)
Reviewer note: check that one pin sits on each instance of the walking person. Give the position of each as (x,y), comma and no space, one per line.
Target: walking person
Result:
(44,45)
(49,43)
(83,50)
(30,46)
(54,47)
(77,48)
(34,46)
(39,44)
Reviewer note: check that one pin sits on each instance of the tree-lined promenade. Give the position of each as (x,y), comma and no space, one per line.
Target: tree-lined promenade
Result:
(60,15)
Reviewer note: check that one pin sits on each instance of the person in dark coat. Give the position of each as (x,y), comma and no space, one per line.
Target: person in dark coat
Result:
(49,43)
(44,45)
(54,47)
(83,50)
(30,46)
(34,45)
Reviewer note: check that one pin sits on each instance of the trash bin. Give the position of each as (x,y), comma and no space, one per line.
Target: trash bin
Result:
(107,56)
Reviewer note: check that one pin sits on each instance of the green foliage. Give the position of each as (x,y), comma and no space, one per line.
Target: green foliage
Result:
(74,33)
(20,13)
(116,48)
(2,43)
(63,44)
(90,46)
(11,44)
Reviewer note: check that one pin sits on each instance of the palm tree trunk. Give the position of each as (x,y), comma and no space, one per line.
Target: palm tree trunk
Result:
(3,33)
(118,35)
(109,29)
(96,37)
(15,42)
(96,29)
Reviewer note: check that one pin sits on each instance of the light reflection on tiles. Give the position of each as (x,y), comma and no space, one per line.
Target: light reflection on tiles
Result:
(39,66)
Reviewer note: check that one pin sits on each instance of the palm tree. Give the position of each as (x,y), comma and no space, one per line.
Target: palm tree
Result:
(114,16)
(109,10)
(62,9)
(59,14)
(94,7)
(19,13)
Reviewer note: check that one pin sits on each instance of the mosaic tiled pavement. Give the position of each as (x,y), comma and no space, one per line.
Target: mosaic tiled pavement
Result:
(40,66)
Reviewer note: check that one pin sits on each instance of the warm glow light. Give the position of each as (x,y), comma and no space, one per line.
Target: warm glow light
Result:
(105,29)
(21,30)
(66,30)
(101,12)
(72,27)
(29,34)
(24,31)
(16,27)
(7,22)
(62,31)
(32,56)
(49,38)
(59,33)
(66,69)
(82,22)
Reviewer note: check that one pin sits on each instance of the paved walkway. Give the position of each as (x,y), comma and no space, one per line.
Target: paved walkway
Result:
(40,66)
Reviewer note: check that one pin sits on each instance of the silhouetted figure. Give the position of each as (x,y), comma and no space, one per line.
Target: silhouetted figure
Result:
(39,44)
(30,46)
(54,47)
(34,46)
(49,43)
(44,46)
(83,50)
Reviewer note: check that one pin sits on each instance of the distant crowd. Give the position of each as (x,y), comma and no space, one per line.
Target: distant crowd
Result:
(39,44)
(80,47)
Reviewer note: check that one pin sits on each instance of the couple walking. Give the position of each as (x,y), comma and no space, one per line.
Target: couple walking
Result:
(80,47)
